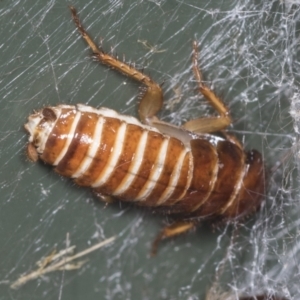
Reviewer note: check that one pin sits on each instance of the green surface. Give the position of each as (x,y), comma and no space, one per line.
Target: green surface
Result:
(44,61)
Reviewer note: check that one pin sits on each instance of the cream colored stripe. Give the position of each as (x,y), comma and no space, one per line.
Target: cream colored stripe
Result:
(47,130)
(113,158)
(173,180)
(109,113)
(236,190)
(155,172)
(135,165)
(69,138)
(85,164)
(212,183)
(190,176)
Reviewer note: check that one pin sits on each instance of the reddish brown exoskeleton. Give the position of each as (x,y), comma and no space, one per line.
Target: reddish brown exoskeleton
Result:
(184,171)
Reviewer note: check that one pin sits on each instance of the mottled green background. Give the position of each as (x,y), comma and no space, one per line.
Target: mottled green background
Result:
(249,56)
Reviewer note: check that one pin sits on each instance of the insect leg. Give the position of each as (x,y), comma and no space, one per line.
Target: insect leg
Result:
(233,139)
(174,229)
(152,97)
(210,124)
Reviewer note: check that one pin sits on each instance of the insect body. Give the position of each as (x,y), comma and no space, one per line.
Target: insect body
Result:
(119,156)
(114,154)
(184,171)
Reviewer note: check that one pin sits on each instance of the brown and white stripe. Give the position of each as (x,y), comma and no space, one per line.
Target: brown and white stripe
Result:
(114,154)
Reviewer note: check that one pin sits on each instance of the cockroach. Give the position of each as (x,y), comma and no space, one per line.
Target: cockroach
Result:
(185,171)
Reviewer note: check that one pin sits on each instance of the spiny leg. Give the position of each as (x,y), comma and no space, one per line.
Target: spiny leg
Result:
(174,229)
(210,124)
(152,98)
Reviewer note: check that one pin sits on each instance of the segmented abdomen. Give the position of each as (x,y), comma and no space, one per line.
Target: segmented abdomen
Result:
(116,155)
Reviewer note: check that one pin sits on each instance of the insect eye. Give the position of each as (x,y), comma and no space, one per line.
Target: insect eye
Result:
(49,114)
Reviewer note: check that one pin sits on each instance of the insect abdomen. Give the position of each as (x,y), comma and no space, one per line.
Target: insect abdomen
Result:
(227,182)
(116,155)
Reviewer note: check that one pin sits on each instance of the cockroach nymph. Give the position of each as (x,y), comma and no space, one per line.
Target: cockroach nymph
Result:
(184,171)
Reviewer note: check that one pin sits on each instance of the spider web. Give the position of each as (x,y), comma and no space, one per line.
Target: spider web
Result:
(248,54)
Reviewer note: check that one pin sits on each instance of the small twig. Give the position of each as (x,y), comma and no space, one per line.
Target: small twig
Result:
(62,264)
(151,48)
(55,256)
